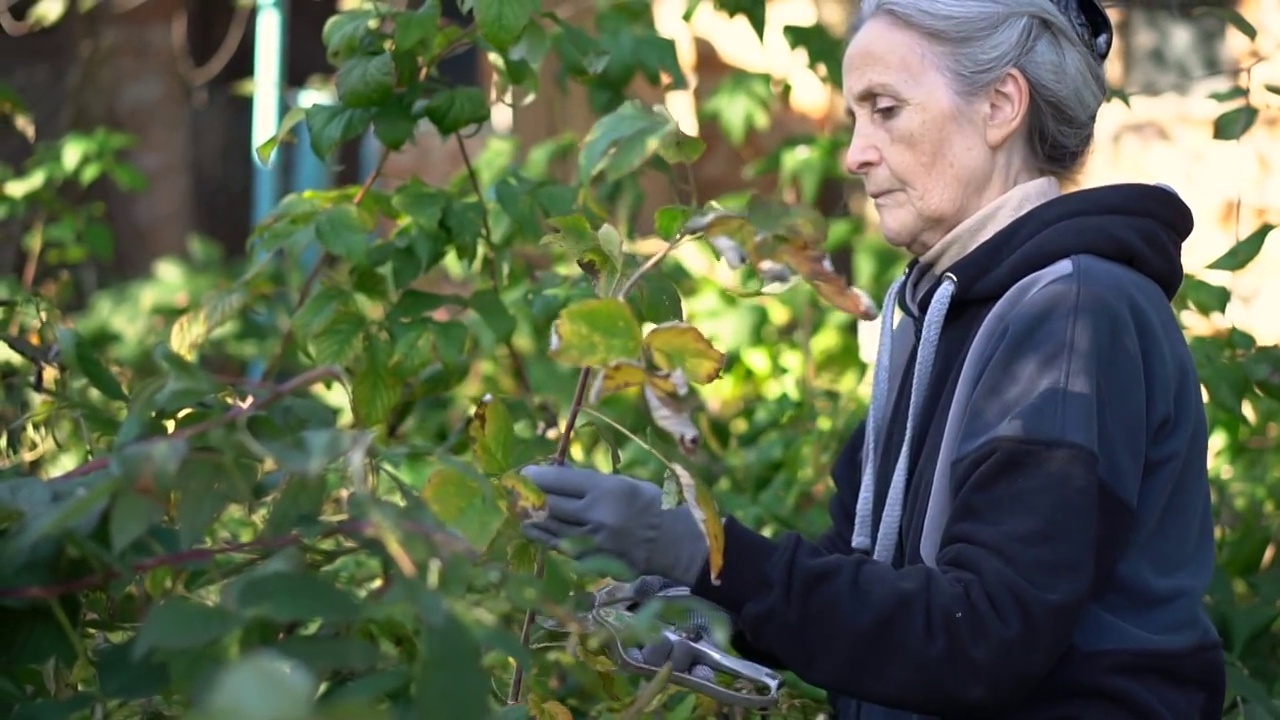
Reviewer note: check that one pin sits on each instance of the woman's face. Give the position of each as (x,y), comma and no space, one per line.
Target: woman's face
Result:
(927,158)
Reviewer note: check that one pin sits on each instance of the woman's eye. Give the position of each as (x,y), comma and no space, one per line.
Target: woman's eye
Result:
(886,111)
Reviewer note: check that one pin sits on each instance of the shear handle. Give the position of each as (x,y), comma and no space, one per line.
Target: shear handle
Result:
(763,678)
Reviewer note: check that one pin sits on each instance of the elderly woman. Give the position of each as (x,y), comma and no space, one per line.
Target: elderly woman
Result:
(1021,525)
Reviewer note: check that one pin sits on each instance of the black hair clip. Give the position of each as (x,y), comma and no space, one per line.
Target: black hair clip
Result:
(1092,24)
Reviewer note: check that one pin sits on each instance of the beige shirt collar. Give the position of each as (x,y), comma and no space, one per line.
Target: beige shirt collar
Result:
(988,221)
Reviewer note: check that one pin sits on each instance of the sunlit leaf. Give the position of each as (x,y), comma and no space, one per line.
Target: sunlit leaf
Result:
(622,141)
(595,332)
(466,504)
(616,377)
(492,436)
(678,345)
(193,329)
(703,506)
(524,499)
(1243,252)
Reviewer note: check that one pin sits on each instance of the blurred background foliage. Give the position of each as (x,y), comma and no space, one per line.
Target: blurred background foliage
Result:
(345,547)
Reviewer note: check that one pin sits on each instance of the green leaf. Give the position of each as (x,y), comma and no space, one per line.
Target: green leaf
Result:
(263,684)
(82,357)
(489,306)
(754,10)
(1243,252)
(1233,18)
(456,108)
(366,80)
(288,597)
(655,299)
(342,231)
(622,141)
(502,21)
(375,389)
(825,50)
(466,504)
(741,103)
(291,118)
(344,34)
(332,125)
(669,220)
(150,465)
(132,513)
(415,29)
(573,233)
(595,332)
(422,203)
(492,434)
(180,623)
(394,124)
(340,339)
(1205,298)
(1234,123)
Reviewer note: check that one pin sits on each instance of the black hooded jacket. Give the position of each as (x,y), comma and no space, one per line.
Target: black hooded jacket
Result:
(1050,540)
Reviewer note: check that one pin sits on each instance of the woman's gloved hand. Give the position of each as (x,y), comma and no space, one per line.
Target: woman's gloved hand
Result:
(619,516)
(697,625)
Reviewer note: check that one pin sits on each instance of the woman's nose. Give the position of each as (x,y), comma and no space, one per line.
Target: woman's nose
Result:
(861,155)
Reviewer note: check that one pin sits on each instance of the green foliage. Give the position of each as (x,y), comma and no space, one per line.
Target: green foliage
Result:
(340,539)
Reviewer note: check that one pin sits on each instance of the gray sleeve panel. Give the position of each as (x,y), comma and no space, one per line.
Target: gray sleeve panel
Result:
(1036,369)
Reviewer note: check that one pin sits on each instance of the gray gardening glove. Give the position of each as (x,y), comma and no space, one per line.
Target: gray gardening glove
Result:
(696,626)
(618,516)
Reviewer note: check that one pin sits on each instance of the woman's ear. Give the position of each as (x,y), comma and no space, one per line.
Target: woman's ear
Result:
(1007,104)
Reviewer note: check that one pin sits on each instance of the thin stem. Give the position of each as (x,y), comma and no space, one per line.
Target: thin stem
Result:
(444,541)
(304,380)
(540,564)
(517,364)
(649,265)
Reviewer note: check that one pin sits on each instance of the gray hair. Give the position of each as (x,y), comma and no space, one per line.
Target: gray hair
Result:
(978,41)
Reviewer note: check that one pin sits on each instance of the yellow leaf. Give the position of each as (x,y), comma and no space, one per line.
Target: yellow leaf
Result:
(678,345)
(622,375)
(703,506)
(492,436)
(191,330)
(524,499)
(669,415)
(552,710)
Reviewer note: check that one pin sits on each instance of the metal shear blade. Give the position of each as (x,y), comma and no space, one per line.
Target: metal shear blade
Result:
(613,611)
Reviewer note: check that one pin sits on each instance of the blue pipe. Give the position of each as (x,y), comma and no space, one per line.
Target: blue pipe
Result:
(270,34)
(269,44)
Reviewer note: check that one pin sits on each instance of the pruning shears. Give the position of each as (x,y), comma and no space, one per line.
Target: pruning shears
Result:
(615,608)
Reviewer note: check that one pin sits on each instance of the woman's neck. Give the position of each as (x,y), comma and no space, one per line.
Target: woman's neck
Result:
(988,221)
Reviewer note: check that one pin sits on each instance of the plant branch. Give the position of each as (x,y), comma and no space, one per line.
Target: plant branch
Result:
(649,265)
(495,274)
(447,542)
(540,564)
(314,276)
(304,380)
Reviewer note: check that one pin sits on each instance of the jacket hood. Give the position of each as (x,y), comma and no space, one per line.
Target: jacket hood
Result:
(1138,225)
